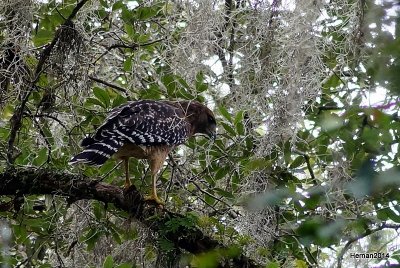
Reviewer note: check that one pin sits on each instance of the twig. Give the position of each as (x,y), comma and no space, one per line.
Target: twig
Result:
(59,13)
(210,195)
(109,85)
(204,201)
(54,118)
(309,167)
(108,173)
(41,132)
(133,46)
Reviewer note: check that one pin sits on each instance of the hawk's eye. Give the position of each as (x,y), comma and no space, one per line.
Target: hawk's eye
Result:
(211,119)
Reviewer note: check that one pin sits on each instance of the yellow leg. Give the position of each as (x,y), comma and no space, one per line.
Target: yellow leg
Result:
(127,180)
(153,194)
(155,165)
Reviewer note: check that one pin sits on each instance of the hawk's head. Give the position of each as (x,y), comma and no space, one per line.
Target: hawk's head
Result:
(201,118)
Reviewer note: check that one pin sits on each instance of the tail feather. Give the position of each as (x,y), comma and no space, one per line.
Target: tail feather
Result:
(87,141)
(95,154)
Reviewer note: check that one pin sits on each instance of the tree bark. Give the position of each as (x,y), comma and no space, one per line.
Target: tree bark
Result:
(18,182)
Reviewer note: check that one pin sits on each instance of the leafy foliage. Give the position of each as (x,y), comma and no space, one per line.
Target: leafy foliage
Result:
(306,158)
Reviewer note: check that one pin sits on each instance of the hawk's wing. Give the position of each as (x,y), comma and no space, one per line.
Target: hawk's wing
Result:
(147,123)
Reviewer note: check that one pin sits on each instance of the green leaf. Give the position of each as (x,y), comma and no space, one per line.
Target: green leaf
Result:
(104,3)
(125,265)
(209,179)
(287,154)
(47,133)
(270,198)
(118,5)
(238,122)
(209,199)
(235,181)
(102,96)
(224,193)
(170,83)
(332,82)
(115,234)
(183,93)
(128,17)
(41,157)
(301,264)
(272,265)
(387,214)
(98,210)
(128,64)
(257,164)
(313,201)
(42,37)
(145,13)
(91,237)
(182,82)
(206,260)
(228,129)
(108,262)
(308,230)
(221,172)
(200,85)
(297,162)
(330,121)
(225,113)
(166,245)
(238,117)
(93,101)
(119,100)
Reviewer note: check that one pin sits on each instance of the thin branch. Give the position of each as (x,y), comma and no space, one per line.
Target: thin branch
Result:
(52,117)
(59,13)
(114,168)
(109,85)
(309,167)
(210,195)
(133,46)
(45,138)
(41,132)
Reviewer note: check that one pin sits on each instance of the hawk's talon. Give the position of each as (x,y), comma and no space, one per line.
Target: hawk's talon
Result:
(155,199)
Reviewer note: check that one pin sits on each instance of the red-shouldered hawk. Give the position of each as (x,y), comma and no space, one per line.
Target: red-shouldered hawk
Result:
(146,129)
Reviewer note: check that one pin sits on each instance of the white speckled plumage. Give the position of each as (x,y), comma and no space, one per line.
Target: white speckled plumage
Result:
(144,123)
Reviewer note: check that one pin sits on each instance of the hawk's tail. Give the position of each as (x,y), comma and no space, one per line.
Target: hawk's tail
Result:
(95,154)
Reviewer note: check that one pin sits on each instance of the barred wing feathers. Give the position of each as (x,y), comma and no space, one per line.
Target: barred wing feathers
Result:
(148,123)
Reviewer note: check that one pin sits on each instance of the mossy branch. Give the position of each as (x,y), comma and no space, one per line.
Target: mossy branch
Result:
(17,182)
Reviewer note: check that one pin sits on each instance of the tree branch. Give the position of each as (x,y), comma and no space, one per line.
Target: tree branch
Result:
(133,46)
(309,167)
(77,187)
(123,90)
